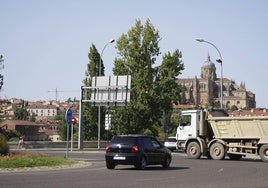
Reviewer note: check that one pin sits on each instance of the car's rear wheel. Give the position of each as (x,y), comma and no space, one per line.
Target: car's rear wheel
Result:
(167,162)
(142,164)
(110,165)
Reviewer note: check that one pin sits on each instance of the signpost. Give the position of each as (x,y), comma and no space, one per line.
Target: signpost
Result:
(68,117)
(73,122)
(104,91)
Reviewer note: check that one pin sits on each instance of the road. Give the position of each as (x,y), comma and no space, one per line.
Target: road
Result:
(182,173)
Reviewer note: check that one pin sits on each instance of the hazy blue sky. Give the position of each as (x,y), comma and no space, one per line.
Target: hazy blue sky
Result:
(45,43)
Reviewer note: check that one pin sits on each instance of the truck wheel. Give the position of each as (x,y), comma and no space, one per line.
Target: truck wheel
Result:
(217,151)
(264,153)
(193,150)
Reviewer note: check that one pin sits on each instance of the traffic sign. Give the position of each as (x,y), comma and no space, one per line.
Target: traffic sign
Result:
(107,121)
(74,121)
(69,115)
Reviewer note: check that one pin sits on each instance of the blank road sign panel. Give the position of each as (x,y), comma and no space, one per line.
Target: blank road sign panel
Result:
(111,90)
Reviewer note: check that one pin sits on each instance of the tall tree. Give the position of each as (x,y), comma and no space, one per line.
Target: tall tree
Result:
(166,84)
(137,52)
(21,113)
(136,49)
(90,115)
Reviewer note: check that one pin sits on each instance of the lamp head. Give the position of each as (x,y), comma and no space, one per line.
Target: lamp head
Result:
(111,40)
(199,40)
(219,61)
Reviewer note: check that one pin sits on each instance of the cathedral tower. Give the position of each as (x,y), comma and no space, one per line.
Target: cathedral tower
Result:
(208,70)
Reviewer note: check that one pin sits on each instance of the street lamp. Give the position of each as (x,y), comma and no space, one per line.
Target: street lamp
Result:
(110,41)
(219,61)
(99,108)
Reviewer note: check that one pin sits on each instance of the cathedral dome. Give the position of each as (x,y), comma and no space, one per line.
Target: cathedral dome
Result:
(209,63)
(208,70)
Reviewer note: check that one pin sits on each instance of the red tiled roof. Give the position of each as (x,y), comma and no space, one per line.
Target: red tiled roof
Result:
(183,106)
(253,112)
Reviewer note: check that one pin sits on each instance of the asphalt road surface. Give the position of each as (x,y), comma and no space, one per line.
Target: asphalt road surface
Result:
(182,173)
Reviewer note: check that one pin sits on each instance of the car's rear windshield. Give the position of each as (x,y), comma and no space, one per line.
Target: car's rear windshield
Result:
(123,140)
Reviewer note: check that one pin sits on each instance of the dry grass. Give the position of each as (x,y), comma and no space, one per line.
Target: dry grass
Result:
(26,159)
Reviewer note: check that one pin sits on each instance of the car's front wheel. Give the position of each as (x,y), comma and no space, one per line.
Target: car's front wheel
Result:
(167,162)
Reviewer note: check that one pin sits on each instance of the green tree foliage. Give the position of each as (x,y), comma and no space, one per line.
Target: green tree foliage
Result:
(170,68)
(90,115)
(21,113)
(4,149)
(166,84)
(153,89)
(62,127)
(233,108)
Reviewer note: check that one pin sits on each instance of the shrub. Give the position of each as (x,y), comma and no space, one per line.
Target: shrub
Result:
(4,149)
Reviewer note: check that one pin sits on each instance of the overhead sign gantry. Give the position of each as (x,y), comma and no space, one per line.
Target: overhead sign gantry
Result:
(104,91)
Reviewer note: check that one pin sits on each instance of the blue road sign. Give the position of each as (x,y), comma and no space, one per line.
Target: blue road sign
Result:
(69,115)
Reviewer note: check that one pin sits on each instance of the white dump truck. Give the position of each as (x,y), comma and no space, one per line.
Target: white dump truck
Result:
(215,134)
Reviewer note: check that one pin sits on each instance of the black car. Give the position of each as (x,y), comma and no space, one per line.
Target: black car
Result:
(137,150)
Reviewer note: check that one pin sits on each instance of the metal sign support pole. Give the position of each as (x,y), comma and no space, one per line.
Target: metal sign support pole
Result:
(80,135)
(68,117)
(72,135)
(67,141)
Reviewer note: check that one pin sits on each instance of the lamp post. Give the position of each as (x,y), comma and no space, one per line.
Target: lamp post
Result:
(99,108)
(218,60)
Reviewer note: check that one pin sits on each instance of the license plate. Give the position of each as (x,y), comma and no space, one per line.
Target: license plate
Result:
(119,158)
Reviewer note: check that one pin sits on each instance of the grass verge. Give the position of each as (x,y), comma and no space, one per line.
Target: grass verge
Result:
(26,159)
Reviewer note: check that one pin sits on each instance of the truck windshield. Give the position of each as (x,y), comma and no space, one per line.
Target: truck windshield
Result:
(185,120)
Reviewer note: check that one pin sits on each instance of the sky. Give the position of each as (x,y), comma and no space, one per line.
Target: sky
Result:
(45,44)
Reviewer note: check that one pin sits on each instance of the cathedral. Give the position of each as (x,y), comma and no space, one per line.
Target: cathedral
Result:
(206,91)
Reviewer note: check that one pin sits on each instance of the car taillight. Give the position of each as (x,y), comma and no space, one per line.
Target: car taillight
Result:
(134,149)
(108,149)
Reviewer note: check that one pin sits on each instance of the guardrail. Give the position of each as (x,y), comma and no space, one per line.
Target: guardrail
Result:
(62,144)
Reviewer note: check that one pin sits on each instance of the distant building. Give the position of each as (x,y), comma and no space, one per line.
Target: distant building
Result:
(40,111)
(43,113)
(6,110)
(31,131)
(206,90)
(249,113)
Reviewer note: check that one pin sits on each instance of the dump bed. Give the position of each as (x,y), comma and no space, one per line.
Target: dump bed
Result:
(255,127)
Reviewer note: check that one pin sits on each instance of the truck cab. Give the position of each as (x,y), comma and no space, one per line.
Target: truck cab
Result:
(192,133)
(188,127)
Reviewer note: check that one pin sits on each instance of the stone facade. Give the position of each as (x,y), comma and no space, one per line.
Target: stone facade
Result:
(207,89)
(42,111)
